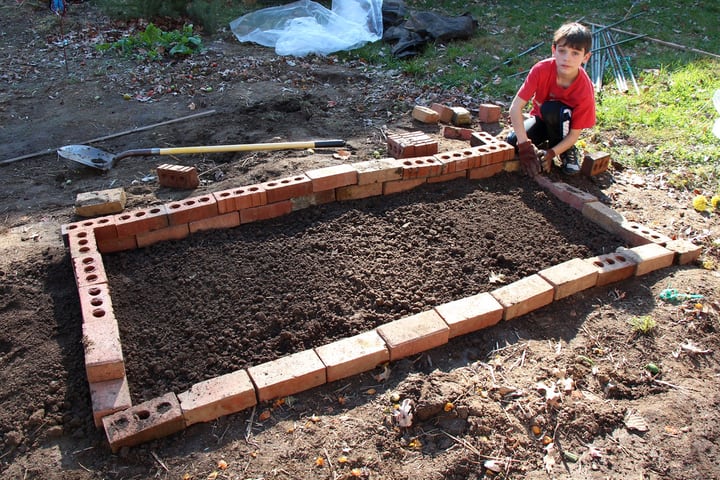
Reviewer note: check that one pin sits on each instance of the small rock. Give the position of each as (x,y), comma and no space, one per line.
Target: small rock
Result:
(13,438)
(55,431)
(36,418)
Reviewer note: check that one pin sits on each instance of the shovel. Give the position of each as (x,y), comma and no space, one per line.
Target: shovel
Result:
(96,158)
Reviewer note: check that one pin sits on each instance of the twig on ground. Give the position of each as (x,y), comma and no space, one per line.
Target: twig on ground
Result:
(332,468)
(160,462)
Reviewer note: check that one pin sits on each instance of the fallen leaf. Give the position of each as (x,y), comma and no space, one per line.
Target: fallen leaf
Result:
(319,461)
(264,415)
(222,465)
(633,421)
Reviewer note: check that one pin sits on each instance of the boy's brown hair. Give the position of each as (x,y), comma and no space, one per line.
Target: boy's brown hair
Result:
(573,35)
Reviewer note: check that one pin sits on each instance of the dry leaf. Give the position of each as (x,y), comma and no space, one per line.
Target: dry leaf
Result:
(633,421)
(264,415)
(496,278)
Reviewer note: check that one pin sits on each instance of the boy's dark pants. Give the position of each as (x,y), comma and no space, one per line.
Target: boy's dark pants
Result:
(551,128)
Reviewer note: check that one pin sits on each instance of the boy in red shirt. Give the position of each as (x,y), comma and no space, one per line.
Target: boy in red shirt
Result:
(563,104)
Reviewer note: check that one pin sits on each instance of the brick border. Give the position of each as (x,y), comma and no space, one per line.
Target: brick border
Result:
(128,425)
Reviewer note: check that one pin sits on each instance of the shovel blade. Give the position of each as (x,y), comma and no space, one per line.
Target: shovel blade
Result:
(90,156)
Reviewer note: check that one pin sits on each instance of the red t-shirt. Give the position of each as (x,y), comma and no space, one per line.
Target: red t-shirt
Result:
(541,86)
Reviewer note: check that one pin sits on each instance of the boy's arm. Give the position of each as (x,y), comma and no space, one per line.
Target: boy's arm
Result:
(566,143)
(517,119)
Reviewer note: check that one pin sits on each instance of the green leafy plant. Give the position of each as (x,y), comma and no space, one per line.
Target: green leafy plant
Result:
(643,325)
(154,43)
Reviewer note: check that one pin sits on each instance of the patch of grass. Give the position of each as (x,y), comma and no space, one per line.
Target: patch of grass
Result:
(644,325)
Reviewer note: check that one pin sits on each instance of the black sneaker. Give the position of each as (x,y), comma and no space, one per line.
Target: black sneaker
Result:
(571,161)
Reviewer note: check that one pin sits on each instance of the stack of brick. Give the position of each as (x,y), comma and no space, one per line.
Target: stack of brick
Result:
(178,176)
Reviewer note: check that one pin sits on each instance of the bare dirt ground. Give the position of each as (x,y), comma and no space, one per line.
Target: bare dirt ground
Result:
(481,403)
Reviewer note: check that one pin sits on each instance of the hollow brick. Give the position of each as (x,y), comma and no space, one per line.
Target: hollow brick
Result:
(192,209)
(141,220)
(287,188)
(89,269)
(612,267)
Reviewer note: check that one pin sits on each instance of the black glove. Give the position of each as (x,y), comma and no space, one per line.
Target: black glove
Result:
(528,159)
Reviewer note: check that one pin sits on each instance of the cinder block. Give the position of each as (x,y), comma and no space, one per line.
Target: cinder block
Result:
(103,352)
(649,257)
(317,198)
(470,314)
(265,212)
(119,244)
(421,167)
(173,232)
(101,202)
(178,176)
(458,133)
(489,113)
(461,116)
(238,198)
(192,209)
(330,178)
(89,269)
(82,242)
(444,113)
(523,296)
(570,277)
(603,215)
(402,185)
(147,421)
(612,267)
(216,397)
(378,171)
(141,220)
(109,397)
(685,251)
(287,188)
(96,303)
(425,114)
(574,197)
(414,334)
(353,355)
(637,234)
(228,220)
(356,192)
(288,375)
(485,172)
(595,163)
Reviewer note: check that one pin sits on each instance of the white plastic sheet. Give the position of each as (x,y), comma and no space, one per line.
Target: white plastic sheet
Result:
(305,27)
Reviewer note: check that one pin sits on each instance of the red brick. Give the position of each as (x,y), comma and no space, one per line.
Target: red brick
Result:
(353,355)
(330,178)
(458,133)
(485,172)
(103,352)
(228,220)
(173,232)
(448,177)
(216,397)
(603,215)
(685,251)
(512,166)
(95,303)
(318,198)
(82,242)
(425,114)
(649,257)
(102,228)
(523,296)
(453,161)
(570,277)
(238,198)
(288,375)
(120,244)
(141,220)
(421,167)
(637,234)
(378,171)
(287,188)
(612,267)
(411,144)
(265,212)
(402,185)
(478,139)
(461,116)
(89,269)
(595,163)
(109,397)
(489,113)
(414,334)
(470,314)
(192,209)
(147,421)
(357,192)
(574,197)
(444,113)
(178,176)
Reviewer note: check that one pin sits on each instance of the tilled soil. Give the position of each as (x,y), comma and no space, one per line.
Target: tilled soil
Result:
(225,300)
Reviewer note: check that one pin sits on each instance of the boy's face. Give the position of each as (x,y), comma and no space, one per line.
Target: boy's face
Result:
(568,59)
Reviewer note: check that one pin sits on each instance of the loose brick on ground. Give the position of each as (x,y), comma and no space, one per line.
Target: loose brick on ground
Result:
(101,202)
